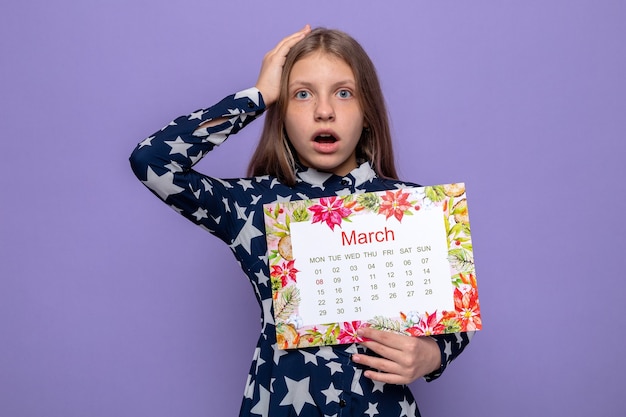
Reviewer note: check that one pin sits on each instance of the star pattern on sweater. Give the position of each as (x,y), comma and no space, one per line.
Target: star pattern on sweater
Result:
(298,394)
(372,409)
(178,146)
(162,185)
(281,383)
(332,394)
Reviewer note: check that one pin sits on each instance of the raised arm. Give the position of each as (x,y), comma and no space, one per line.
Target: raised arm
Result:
(163,162)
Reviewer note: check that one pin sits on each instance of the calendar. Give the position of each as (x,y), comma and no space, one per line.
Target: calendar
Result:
(397,260)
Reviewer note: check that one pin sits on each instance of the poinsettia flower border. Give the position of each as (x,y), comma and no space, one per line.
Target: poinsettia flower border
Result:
(465,317)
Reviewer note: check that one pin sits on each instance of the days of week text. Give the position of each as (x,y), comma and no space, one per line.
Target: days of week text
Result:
(367,254)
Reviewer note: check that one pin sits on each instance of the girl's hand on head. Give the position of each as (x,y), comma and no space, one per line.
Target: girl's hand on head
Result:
(271,69)
(403,359)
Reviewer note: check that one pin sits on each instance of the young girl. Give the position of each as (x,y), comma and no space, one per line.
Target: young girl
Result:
(326,133)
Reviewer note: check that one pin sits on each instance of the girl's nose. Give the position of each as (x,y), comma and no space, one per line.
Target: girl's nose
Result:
(324,110)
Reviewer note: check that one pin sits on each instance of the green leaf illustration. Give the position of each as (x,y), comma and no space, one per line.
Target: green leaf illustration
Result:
(286,302)
(435,193)
(369,201)
(385,323)
(462,260)
(331,334)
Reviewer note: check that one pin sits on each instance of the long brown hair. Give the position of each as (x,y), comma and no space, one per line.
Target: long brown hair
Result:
(274,154)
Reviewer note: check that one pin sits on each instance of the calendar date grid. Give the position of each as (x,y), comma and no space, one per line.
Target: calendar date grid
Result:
(364,284)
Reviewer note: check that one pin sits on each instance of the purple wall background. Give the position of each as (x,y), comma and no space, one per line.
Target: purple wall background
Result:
(98,319)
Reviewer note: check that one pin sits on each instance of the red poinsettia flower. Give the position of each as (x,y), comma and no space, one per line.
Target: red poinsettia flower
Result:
(286,272)
(427,326)
(394,204)
(330,210)
(468,309)
(348,332)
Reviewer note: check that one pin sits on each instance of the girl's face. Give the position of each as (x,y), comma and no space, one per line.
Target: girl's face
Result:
(324,119)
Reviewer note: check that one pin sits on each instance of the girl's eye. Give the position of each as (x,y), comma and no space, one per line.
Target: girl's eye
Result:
(344,94)
(301,95)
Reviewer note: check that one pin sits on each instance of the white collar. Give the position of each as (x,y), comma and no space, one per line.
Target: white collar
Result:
(361,174)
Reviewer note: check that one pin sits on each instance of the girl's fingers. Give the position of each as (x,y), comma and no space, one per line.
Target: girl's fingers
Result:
(271,69)
(292,39)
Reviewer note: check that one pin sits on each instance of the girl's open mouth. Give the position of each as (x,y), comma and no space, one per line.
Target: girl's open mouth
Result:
(327,138)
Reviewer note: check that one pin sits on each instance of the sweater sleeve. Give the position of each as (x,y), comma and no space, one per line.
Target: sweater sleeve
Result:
(163,162)
(450,345)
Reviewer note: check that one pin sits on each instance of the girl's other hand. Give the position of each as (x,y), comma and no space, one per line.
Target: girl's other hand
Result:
(403,358)
(268,82)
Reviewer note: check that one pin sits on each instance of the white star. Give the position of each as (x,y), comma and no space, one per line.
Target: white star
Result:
(224,183)
(314,178)
(274,183)
(334,367)
(262,407)
(413,409)
(277,354)
(174,167)
(217,138)
(200,214)
(297,394)
(448,350)
(255,199)
(146,142)
(272,384)
(308,357)
(331,393)
(251,93)
(196,193)
(164,185)
(262,278)
(378,386)
(356,382)
(327,353)
(241,211)
(249,392)
(207,186)
(245,184)
(245,236)
(178,146)
(352,349)
(259,362)
(459,339)
(238,114)
(281,199)
(226,206)
(372,409)
(196,115)
(406,408)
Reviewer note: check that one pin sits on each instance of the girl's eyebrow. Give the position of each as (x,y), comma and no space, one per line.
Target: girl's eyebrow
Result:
(308,84)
